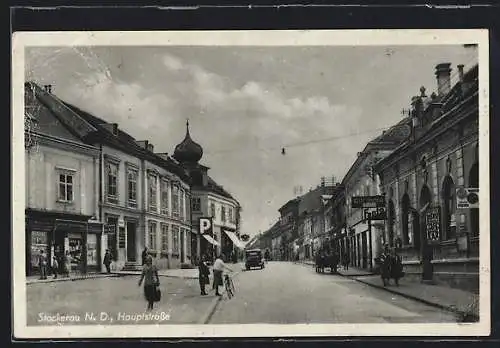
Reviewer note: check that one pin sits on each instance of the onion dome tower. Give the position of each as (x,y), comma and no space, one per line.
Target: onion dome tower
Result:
(188,151)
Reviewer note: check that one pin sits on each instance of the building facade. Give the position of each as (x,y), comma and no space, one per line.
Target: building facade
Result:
(289,214)
(209,199)
(335,222)
(364,238)
(61,185)
(135,188)
(438,240)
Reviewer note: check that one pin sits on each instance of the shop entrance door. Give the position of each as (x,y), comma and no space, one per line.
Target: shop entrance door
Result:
(131,246)
(182,247)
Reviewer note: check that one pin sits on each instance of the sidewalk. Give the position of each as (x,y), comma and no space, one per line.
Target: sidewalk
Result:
(464,303)
(72,277)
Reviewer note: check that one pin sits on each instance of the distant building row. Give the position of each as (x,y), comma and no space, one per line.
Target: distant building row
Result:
(90,187)
(417,166)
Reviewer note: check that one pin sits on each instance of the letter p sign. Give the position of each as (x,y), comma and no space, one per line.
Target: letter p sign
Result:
(206,225)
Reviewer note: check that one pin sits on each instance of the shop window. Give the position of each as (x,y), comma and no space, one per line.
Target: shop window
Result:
(112,183)
(132,189)
(196,204)
(164,239)
(164,197)
(66,187)
(152,236)
(175,201)
(449,205)
(121,238)
(39,241)
(152,193)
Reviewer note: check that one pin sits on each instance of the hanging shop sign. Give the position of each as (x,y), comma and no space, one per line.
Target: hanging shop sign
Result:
(433,224)
(377,214)
(467,198)
(368,201)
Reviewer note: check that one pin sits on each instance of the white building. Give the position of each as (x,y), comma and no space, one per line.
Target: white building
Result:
(209,200)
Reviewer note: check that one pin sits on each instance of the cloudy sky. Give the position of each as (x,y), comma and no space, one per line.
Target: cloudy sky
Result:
(245,103)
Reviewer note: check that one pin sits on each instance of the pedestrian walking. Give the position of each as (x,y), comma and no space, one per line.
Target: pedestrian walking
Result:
(107,261)
(203,274)
(145,254)
(396,267)
(151,281)
(385,266)
(218,269)
(346,261)
(55,266)
(42,264)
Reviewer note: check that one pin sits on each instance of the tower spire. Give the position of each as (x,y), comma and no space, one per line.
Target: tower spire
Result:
(187,126)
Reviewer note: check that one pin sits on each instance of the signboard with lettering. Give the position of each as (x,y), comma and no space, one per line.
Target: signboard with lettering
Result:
(377,214)
(467,198)
(433,224)
(368,201)
(205,226)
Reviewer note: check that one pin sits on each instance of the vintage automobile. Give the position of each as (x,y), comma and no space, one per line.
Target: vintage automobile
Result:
(253,258)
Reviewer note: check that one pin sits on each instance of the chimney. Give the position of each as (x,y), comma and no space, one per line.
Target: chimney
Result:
(150,147)
(460,68)
(142,143)
(48,88)
(443,71)
(111,127)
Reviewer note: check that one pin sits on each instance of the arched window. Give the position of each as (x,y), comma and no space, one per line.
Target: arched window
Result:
(391,218)
(474,213)
(449,208)
(405,210)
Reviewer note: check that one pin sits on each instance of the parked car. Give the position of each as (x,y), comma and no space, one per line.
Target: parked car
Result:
(253,258)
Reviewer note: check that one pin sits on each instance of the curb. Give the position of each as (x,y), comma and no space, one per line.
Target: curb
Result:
(213,306)
(161,275)
(52,280)
(418,299)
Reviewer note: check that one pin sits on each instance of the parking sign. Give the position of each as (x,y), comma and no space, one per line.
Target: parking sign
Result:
(205,225)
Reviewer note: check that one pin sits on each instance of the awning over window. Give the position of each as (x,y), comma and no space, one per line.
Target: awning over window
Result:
(234,239)
(210,239)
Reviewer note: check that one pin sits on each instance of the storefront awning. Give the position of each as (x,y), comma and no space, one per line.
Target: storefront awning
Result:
(210,239)
(234,239)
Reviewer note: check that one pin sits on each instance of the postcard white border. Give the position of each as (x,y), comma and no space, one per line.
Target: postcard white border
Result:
(21,40)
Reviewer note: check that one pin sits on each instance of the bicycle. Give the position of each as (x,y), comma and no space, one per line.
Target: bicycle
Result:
(228,284)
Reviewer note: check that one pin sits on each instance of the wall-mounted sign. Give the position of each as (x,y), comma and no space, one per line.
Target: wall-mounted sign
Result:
(377,214)
(368,201)
(245,237)
(467,198)
(433,224)
(205,225)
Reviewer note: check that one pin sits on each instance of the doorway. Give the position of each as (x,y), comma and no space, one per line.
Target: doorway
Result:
(131,241)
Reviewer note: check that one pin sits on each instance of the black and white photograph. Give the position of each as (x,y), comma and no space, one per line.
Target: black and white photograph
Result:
(251,183)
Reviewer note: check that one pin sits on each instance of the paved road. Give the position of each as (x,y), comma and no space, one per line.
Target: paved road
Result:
(181,301)
(287,293)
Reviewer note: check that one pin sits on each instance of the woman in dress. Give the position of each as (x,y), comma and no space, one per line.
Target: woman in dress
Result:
(151,281)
